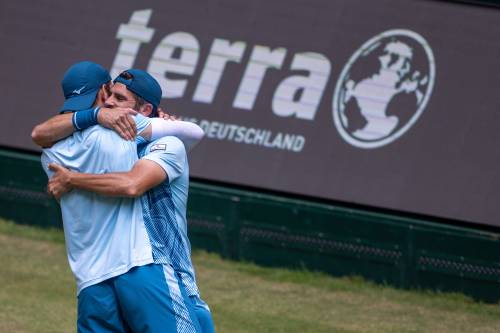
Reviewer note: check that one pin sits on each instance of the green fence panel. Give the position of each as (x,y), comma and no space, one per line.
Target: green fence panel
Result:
(401,251)
(22,191)
(278,231)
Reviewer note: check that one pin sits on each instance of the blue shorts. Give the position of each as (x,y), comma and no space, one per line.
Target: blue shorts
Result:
(203,314)
(148,298)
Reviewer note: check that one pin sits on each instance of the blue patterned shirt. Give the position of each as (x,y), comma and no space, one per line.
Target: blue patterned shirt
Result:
(164,209)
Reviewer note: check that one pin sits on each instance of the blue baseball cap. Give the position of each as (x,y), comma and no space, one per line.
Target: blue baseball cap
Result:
(81,83)
(142,84)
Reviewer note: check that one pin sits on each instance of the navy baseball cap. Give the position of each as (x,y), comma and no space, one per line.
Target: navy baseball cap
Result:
(142,84)
(81,83)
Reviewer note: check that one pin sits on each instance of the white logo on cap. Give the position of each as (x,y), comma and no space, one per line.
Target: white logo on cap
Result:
(78,91)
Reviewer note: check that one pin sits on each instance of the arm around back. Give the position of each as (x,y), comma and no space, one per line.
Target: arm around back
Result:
(189,133)
(144,175)
(53,130)
(61,126)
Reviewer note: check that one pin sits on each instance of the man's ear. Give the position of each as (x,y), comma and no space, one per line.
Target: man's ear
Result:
(102,95)
(146,110)
(106,90)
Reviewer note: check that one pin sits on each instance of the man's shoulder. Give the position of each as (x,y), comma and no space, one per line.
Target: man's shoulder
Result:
(90,138)
(97,133)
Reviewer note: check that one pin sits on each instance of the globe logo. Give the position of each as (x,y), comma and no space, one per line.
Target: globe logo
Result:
(384,88)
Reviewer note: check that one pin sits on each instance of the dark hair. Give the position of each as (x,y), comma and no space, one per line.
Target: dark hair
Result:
(139,101)
(126,75)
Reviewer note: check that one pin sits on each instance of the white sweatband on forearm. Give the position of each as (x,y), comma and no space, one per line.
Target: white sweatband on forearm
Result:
(189,133)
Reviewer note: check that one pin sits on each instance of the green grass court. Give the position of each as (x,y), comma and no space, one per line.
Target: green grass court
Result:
(37,294)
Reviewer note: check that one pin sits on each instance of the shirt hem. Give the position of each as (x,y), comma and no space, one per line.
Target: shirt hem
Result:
(112,274)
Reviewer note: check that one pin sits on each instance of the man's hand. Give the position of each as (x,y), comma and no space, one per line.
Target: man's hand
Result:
(119,120)
(60,181)
(166,116)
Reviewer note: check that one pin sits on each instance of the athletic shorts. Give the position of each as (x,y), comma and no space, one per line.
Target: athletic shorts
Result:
(202,312)
(146,299)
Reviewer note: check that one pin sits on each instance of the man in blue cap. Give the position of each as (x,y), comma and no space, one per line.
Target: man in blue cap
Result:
(108,246)
(86,85)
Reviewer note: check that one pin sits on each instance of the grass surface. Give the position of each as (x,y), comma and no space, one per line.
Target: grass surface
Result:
(37,294)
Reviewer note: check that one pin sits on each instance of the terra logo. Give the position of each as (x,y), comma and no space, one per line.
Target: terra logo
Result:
(381,92)
(383,88)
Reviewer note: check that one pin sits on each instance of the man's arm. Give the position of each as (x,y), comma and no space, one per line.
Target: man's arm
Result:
(189,133)
(53,130)
(144,175)
(61,126)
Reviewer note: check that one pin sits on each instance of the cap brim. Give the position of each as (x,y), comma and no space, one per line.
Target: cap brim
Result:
(78,103)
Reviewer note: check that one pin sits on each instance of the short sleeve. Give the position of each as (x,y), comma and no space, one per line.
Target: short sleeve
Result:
(141,122)
(168,152)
